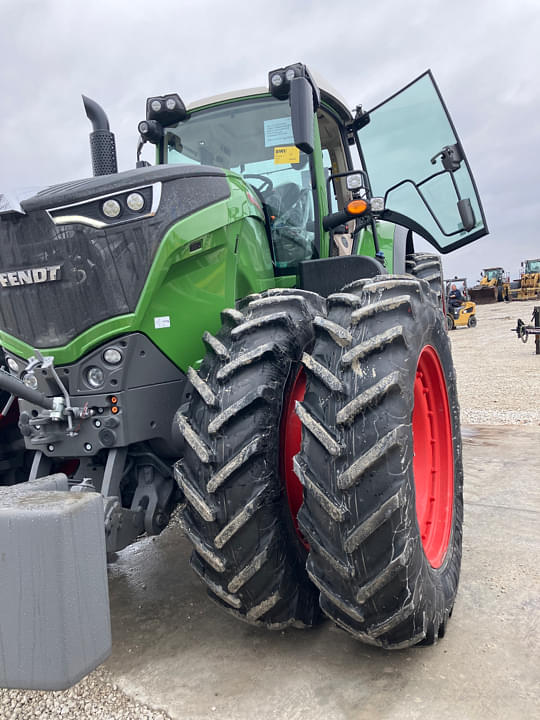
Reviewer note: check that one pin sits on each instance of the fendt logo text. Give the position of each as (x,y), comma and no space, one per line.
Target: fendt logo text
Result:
(30,276)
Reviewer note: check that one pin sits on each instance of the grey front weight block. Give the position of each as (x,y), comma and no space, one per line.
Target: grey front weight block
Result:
(54,602)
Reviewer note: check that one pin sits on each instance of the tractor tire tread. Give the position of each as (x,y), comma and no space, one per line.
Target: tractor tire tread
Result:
(373,576)
(236,515)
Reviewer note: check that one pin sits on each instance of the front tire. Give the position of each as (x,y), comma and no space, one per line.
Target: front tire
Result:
(241,496)
(428,267)
(381,464)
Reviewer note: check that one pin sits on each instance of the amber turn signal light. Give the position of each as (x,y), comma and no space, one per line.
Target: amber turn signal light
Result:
(357,207)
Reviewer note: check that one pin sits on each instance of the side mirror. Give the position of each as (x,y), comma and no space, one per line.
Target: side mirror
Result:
(295,83)
(466,213)
(301,102)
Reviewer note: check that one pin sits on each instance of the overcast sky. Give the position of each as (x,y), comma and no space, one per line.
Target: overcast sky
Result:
(485,55)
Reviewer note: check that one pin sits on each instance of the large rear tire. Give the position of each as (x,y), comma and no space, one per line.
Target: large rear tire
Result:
(241,434)
(381,463)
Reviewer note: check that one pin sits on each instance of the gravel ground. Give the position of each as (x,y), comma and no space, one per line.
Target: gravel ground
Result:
(96,696)
(498,375)
(498,383)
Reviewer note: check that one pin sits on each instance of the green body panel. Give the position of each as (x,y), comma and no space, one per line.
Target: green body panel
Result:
(322,197)
(189,286)
(385,235)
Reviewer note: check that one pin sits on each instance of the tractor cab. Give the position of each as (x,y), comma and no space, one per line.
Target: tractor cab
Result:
(292,143)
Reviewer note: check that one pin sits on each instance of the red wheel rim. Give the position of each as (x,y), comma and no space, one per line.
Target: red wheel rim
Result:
(290,441)
(433,464)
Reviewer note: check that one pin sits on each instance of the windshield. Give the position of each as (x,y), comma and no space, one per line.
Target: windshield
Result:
(254,138)
(490,274)
(532,266)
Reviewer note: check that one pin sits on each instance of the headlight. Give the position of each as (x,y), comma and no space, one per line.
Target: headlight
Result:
(30,380)
(377,204)
(276,80)
(111,208)
(12,365)
(135,202)
(95,377)
(112,356)
(155,105)
(355,182)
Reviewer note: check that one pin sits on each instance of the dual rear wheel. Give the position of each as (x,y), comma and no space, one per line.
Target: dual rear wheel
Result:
(322,465)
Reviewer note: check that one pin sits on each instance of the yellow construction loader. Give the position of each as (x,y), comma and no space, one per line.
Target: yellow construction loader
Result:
(528,285)
(490,287)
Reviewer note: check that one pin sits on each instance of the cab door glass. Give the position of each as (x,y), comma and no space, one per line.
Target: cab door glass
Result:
(414,159)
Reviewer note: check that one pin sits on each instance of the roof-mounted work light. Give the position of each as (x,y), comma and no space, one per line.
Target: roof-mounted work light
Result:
(161,111)
(279,82)
(166,109)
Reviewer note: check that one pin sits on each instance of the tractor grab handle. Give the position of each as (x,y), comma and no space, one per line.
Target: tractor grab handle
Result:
(14,386)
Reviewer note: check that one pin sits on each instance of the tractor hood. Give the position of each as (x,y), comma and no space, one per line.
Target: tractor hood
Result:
(76,254)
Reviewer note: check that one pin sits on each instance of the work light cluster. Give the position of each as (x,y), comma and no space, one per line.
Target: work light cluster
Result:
(94,375)
(112,208)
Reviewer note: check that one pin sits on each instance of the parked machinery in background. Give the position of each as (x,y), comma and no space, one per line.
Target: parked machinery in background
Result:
(490,287)
(523,331)
(528,285)
(460,310)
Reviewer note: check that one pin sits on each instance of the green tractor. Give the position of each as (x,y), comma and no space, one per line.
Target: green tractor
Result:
(245,329)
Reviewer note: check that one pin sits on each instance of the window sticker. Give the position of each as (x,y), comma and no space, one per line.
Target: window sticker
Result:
(285,155)
(278,132)
(162,322)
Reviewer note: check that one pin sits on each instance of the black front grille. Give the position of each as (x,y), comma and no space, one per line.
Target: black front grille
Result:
(102,271)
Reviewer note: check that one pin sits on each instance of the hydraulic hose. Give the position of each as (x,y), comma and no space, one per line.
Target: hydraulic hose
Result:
(15,387)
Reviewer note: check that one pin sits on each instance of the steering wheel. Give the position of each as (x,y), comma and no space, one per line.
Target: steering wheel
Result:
(267,184)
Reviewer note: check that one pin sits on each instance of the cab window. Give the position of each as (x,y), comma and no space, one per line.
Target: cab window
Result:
(254,138)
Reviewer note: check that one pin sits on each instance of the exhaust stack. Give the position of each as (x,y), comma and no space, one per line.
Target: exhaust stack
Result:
(102,144)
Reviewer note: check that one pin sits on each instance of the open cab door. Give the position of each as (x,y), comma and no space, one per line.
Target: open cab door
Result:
(415,160)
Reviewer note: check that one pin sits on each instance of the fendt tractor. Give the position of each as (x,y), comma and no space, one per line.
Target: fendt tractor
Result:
(242,331)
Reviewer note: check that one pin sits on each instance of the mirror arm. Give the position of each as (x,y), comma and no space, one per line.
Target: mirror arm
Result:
(451,157)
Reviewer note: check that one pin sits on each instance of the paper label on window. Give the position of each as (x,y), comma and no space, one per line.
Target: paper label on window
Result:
(285,155)
(278,132)
(162,322)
